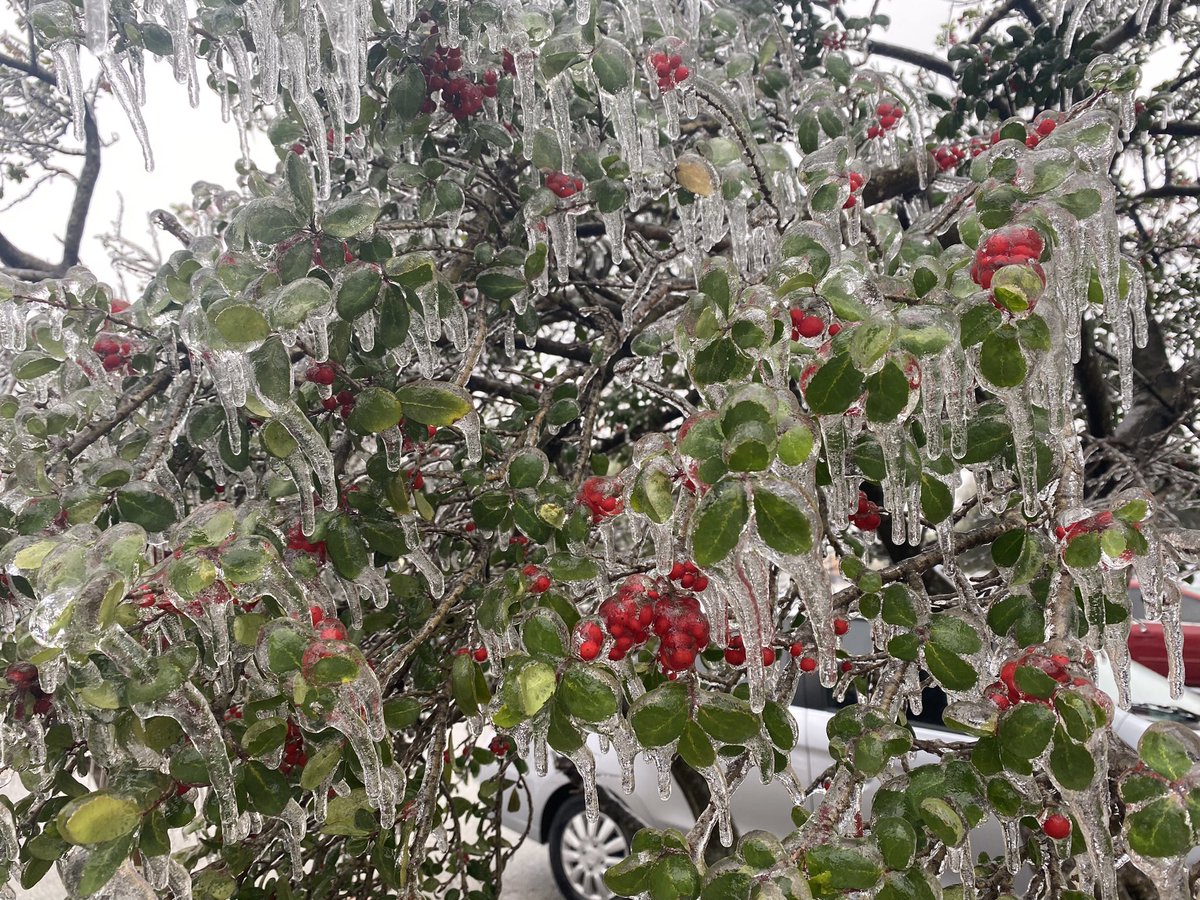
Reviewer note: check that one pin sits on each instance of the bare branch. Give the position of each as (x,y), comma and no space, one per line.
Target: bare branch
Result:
(928,61)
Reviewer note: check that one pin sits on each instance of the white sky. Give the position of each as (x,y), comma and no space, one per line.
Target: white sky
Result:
(193,145)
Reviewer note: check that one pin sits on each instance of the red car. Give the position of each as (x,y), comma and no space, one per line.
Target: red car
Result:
(1146,643)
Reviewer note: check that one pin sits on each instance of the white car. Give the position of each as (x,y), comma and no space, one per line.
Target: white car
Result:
(581,851)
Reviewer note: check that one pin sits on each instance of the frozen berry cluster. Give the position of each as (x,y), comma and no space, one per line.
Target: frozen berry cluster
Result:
(539,581)
(855,181)
(461,96)
(669,69)
(28,693)
(298,542)
(1008,692)
(294,756)
(328,628)
(866,516)
(1042,129)
(602,497)
(563,185)
(949,156)
(320,373)
(642,607)
(114,354)
(1013,245)
(807,326)
(887,116)
(689,577)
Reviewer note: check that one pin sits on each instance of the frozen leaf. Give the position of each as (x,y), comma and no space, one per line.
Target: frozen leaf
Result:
(695,747)
(500,283)
(350,216)
(141,504)
(612,65)
(1071,763)
(270,220)
(1001,361)
(1026,730)
(527,468)
(658,717)
(727,719)
(897,841)
(1159,829)
(586,695)
(375,409)
(347,550)
(834,386)
(1170,754)
(780,523)
(98,817)
(357,289)
(653,495)
(434,403)
(719,521)
(833,868)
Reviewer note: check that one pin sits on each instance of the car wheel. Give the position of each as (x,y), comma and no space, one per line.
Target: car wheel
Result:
(581,851)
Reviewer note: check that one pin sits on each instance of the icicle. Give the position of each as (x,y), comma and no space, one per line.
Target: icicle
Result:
(123,89)
(421,560)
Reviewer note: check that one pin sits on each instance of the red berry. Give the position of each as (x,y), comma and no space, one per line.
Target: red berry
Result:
(808,664)
(1056,826)
(811,326)
(834,328)
(540,585)
(768,656)
(796,649)
(317,615)
(332,630)
(530,570)
(480,654)
(589,650)
(840,626)
(681,73)
(1046,126)
(112,362)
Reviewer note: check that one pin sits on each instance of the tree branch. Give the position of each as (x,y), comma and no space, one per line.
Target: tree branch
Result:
(1130,29)
(899,181)
(1025,7)
(927,61)
(126,408)
(1177,129)
(1167,191)
(84,188)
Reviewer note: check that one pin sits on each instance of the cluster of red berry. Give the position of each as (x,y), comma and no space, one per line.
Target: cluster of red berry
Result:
(866,517)
(834,40)
(1101,521)
(856,181)
(1042,129)
(670,70)
(539,581)
(24,679)
(563,185)
(1013,245)
(297,541)
(689,577)
(735,652)
(1006,692)
(113,354)
(499,746)
(294,756)
(342,401)
(948,156)
(978,145)
(461,97)
(808,326)
(320,373)
(328,628)
(887,115)
(641,607)
(602,496)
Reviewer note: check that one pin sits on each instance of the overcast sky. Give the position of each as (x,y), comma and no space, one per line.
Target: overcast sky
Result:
(193,145)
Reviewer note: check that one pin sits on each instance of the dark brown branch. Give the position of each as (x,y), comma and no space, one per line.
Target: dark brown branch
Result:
(1093,389)
(1025,7)
(899,181)
(84,188)
(1177,129)
(927,61)
(1130,28)
(126,408)
(1167,191)
(11,255)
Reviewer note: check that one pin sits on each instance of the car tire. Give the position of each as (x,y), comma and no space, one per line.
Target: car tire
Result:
(581,851)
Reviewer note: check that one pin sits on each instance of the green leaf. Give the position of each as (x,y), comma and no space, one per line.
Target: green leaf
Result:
(264,736)
(897,841)
(1071,762)
(375,409)
(434,403)
(937,500)
(728,719)
(695,748)
(98,817)
(1001,361)
(898,607)
(977,323)
(781,727)
(586,695)
(834,386)
(465,676)
(950,670)
(267,790)
(1026,729)
(357,289)
(527,468)
(887,393)
(658,717)
(1034,682)
(347,549)
(795,445)
(1165,752)
(613,66)
(653,495)
(943,821)
(102,863)
(270,220)
(1159,829)
(241,325)
(780,523)
(350,216)
(1083,551)
(719,521)
(834,868)
(569,567)
(674,877)
(542,635)
(320,764)
(1081,204)
(500,283)
(285,649)
(720,361)
(137,502)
